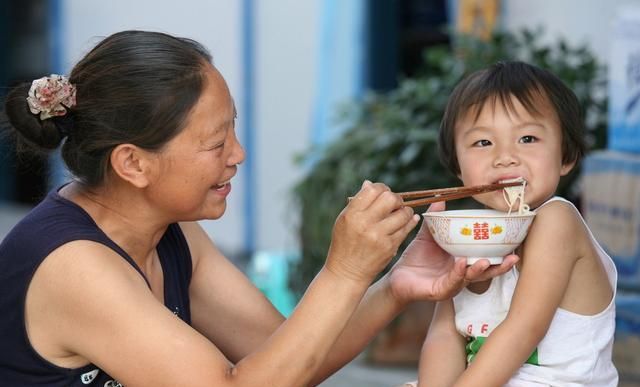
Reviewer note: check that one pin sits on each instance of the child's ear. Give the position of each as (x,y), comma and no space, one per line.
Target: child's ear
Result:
(566,168)
(132,164)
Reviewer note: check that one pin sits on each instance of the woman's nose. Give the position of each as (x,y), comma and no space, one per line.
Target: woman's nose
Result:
(237,154)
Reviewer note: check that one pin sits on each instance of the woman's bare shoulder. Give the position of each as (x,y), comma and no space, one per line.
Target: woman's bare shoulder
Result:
(76,261)
(87,303)
(72,287)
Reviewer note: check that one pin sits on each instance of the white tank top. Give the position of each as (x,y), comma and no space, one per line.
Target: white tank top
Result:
(576,351)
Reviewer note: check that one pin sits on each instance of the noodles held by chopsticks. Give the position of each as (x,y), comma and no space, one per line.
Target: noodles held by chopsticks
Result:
(515,194)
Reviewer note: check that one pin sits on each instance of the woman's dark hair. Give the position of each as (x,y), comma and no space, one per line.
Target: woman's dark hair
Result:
(134,87)
(529,85)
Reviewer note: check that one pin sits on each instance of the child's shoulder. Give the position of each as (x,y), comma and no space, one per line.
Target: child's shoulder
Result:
(558,217)
(558,227)
(557,209)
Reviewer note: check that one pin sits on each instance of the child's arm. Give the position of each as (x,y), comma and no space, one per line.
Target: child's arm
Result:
(548,258)
(443,357)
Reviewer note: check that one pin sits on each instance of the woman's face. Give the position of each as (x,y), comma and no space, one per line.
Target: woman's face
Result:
(196,167)
(503,144)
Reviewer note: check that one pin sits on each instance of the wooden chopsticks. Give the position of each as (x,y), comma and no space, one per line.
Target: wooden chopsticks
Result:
(443,194)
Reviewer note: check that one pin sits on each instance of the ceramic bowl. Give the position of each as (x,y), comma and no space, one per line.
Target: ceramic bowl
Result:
(478,234)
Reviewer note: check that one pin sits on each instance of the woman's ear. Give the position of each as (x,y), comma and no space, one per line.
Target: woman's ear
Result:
(132,164)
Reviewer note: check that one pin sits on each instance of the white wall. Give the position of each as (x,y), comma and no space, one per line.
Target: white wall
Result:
(578,21)
(287,39)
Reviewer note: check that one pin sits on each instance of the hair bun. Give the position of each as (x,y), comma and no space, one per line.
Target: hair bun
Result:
(43,134)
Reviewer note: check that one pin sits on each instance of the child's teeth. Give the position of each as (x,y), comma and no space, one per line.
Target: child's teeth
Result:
(517,179)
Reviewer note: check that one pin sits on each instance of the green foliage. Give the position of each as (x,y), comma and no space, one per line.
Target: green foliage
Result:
(392,137)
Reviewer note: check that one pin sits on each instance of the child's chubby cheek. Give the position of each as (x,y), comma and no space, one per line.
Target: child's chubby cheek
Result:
(494,200)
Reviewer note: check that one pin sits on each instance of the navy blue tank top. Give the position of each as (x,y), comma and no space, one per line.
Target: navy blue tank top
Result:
(54,222)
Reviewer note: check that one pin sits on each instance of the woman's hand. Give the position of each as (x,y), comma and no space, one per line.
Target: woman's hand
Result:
(368,232)
(426,272)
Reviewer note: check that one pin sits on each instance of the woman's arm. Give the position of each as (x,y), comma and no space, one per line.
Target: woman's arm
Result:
(238,318)
(443,356)
(424,272)
(241,308)
(549,255)
(225,306)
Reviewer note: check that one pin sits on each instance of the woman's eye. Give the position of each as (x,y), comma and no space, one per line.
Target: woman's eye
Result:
(527,139)
(217,146)
(482,143)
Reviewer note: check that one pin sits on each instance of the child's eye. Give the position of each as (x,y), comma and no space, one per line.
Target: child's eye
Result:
(527,139)
(482,143)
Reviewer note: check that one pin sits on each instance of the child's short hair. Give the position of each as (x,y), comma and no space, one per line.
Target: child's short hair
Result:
(528,84)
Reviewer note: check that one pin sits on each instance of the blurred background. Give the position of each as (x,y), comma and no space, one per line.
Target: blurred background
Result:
(332,92)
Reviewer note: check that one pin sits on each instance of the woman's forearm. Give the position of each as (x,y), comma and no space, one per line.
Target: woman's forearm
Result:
(295,352)
(376,310)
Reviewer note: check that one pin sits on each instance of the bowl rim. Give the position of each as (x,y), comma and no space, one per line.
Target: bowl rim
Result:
(479,213)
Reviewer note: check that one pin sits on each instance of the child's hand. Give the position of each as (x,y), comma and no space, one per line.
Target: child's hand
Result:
(426,272)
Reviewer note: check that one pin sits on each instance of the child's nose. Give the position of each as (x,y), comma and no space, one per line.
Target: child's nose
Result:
(506,157)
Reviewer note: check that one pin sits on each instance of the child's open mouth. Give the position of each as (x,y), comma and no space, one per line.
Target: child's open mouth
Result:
(518,179)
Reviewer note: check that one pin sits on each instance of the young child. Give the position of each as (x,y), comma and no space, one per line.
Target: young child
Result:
(550,320)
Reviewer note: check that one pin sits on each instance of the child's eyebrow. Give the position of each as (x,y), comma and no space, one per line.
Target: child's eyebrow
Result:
(529,124)
(471,129)
(522,125)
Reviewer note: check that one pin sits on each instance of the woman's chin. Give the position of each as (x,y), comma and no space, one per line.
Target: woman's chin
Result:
(217,212)
(211,213)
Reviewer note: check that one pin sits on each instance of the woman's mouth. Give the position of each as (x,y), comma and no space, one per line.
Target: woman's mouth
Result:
(223,187)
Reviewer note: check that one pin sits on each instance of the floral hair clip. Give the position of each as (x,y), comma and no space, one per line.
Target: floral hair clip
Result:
(51,96)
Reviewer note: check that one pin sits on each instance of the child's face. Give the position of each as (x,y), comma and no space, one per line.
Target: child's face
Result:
(503,144)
